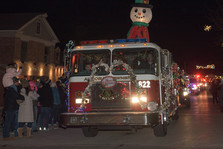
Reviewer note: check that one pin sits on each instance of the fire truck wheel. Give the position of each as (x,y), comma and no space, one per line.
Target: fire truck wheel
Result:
(89,131)
(160,130)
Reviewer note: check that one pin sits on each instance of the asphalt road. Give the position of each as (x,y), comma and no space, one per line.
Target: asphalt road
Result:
(198,127)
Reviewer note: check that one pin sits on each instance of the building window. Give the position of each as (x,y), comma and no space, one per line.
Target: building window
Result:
(38,27)
(47,55)
(24,46)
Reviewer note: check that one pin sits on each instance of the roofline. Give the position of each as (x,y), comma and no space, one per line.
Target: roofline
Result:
(29,22)
(51,31)
(43,16)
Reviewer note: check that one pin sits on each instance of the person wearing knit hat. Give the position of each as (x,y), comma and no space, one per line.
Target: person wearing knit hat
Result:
(11,71)
(42,79)
(25,114)
(11,106)
(34,88)
(54,118)
(46,102)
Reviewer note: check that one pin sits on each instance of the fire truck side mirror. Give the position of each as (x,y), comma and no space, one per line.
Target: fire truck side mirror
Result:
(165,61)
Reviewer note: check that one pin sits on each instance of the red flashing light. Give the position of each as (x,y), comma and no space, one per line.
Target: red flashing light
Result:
(83,42)
(103,41)
(73,59)
(198,76)
(93,42)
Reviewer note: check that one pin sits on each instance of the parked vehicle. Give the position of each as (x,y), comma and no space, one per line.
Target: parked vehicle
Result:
(194,86)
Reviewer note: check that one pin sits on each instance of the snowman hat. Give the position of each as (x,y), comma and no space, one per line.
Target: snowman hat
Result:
(142,3)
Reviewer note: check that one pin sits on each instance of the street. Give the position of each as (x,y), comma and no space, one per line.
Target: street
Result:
(198,127)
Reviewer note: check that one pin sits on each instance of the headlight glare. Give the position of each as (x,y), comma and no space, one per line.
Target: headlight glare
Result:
(185,93)
(135,100)
(144,99)
(79,101)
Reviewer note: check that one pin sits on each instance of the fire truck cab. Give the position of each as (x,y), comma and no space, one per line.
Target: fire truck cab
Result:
(120,85)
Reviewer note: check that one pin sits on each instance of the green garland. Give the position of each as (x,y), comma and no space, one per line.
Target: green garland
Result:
(107,68)
(169,96)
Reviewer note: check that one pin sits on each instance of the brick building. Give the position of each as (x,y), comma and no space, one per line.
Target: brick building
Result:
(29,40)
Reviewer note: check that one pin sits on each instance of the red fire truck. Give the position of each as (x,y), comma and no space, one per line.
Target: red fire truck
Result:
(124,84)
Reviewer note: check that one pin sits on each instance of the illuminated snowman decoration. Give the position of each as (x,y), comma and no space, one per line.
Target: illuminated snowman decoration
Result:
(140,15)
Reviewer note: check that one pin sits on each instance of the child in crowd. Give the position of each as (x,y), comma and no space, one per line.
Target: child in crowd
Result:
(33,87)
(25,114)
(11,71)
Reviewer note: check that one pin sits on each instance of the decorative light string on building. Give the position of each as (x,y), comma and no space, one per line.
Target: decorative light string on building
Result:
(206,67)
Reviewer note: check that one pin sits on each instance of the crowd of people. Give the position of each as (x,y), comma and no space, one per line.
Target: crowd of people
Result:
(31,105)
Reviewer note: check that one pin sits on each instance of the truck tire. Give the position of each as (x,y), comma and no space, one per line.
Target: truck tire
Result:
(160,130)
(89,131)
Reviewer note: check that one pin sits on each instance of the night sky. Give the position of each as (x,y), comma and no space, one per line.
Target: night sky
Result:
(177,25)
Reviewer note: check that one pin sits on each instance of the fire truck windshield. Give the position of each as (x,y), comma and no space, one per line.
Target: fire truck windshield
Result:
(141,60)
(82,61)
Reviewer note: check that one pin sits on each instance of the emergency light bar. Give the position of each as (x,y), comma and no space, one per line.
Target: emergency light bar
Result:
(90,42)
(131,40)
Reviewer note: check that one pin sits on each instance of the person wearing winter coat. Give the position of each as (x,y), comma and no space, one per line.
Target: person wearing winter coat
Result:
(62,97)
(215,87)
(56,105)
(11,71)
(15,124)
(25,114)
(34,87)
(11,106)
(46,102)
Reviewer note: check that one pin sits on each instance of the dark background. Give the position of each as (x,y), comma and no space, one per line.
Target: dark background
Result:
(177,25)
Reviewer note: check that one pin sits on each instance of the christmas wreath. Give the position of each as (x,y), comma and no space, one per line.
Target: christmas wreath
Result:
(107,94)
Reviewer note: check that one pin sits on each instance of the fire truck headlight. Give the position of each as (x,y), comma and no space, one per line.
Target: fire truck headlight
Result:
(79,101)
(185,93)
(144,99)
(152,106)
(136,99)
(86,101)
